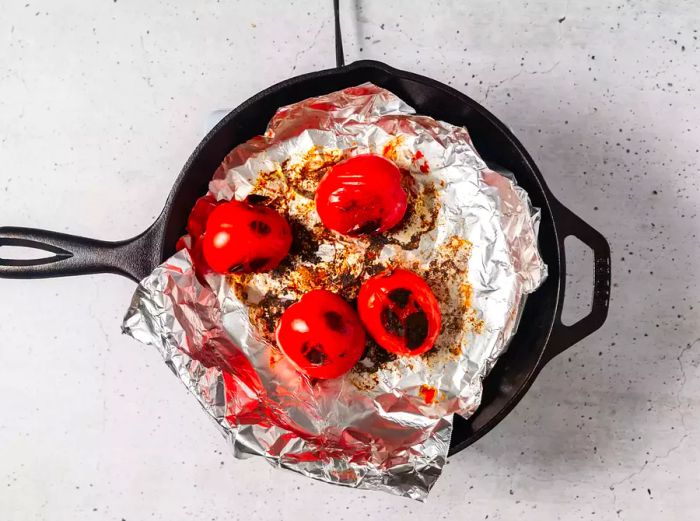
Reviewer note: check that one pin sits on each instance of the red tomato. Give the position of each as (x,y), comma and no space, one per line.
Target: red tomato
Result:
(360,195)
(241,238)
(197,220)
(400,311)
(321,335)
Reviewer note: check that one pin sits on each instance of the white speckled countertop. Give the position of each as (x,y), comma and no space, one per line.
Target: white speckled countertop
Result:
(101,104)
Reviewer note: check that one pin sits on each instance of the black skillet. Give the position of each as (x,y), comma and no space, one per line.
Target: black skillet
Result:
(541,334)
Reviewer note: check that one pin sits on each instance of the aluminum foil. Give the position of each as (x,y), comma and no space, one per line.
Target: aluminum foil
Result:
(471,233)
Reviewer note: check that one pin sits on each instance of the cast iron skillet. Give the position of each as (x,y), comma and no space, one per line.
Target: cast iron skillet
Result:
(541,334)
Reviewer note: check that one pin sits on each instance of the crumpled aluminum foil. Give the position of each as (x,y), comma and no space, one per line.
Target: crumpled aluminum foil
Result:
(386,426)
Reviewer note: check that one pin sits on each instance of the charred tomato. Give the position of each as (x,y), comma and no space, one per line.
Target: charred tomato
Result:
(196,224)
(197,221)
(321,335)
(400,311)
(361,195)
(242,237)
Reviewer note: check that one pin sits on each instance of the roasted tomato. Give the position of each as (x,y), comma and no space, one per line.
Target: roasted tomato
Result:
(400,311)
(241,238)
(197,221)
(361,195)
(321,335)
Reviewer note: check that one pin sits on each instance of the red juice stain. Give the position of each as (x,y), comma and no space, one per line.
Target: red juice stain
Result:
(419,159)
(428,393)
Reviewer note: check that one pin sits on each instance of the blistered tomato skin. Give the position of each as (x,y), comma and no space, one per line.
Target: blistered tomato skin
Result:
(321,335)
(243,238)
(361,195)
(400,312)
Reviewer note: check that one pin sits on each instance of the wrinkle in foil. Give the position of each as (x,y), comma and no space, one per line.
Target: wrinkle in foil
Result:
(386,437)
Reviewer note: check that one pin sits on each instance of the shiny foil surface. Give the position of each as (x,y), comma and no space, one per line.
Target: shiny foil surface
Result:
(471,233)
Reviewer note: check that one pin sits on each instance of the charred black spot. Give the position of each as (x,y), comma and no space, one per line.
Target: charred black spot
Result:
(260,227)
(367,227)
(258,263)
(334,321)
(257,198)
(416,329)
(235,268)
(347,278)
(314,353)
(399,296)
(304,242)
(392,322)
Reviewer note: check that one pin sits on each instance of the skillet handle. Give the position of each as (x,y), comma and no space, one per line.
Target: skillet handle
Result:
(73,255)
(564,336)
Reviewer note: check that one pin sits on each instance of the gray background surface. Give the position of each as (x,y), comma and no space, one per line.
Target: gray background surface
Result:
(102,102)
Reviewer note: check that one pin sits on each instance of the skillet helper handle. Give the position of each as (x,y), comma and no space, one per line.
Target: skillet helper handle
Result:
(73,255)
(564,336)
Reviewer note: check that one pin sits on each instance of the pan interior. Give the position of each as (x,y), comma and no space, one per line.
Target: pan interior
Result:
(516,369)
